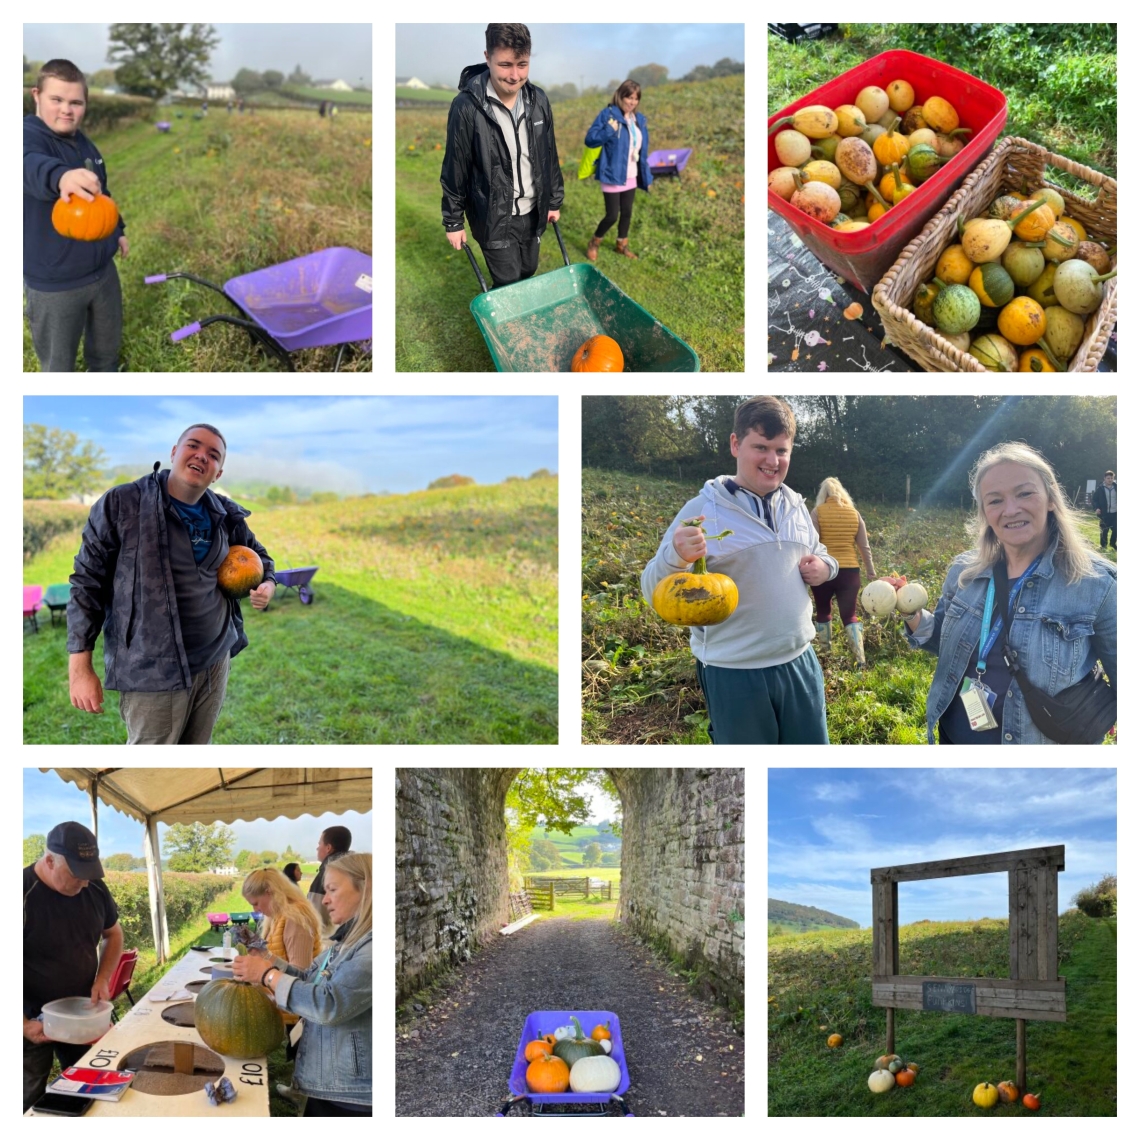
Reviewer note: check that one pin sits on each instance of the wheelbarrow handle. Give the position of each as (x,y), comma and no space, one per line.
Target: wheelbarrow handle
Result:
(479,273)
(183,333)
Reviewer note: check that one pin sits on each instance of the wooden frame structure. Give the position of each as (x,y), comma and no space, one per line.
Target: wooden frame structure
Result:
(1033,991)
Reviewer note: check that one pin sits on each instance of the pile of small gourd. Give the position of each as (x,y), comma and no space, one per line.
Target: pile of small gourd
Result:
(1034,291)
(848,166)
(568,1059)
(890,1071)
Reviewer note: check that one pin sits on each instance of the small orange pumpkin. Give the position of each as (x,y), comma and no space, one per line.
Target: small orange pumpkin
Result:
(601,1032)
(598,354)
(85,221)
(548,1074)
(1007,1092)
(835,1040)
(550,1039)
(537,1048)
(1032,1101)
(904,1078)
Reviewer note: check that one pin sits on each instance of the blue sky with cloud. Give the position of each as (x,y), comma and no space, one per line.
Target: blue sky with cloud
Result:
(49,800)
(348,444)
(828,827)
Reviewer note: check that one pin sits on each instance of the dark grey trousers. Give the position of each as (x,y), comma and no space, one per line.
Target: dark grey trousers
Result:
(186,716)
(93,312)
(37,1065)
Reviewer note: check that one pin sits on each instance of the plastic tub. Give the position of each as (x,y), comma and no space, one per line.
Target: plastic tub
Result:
(76,1020)
(864,256)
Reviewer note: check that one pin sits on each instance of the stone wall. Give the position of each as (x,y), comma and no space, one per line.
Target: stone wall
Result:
(682,867)
(451,867)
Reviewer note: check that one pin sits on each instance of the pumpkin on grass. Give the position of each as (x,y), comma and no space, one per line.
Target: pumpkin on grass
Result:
(835,1040)
(85,221)
(237,1020)
(696,597)
(1007,1092)
(904,1078)
(598,354)
(548,1074)
(880,1081)
(985,1095)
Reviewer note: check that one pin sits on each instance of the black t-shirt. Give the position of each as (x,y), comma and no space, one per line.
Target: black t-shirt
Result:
(61,939)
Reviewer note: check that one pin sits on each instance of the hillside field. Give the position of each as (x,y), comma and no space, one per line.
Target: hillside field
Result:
(639,683)
(220,197)
(434,621)
(688,232)
(568,846)
(819,984)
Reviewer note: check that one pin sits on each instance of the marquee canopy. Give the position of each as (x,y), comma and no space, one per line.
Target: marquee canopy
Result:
(206,795)
(209,795)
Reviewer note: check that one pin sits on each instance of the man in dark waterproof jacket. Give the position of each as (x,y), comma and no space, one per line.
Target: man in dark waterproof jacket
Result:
(500,167)
(1104,500)
(147,576)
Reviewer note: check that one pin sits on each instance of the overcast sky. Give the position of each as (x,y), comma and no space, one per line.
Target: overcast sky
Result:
(50,800)
(828,827)
(348,444)
(323,49)
(586,55)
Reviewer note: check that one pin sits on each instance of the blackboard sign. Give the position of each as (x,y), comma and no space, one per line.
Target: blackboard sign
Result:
(949,997)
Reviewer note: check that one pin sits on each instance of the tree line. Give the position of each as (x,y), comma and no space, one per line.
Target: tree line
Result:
(870,443)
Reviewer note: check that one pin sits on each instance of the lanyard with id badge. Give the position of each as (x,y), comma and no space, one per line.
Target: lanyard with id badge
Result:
(977,697)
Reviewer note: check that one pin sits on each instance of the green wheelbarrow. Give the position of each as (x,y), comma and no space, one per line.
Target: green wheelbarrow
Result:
(537,325)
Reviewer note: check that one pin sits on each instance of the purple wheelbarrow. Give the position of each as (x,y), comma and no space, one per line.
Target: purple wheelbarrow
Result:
(668,162)
(593,1104)
(298,580)
(320,299)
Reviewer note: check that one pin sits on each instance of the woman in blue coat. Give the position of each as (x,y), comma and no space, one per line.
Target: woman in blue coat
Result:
(623,166)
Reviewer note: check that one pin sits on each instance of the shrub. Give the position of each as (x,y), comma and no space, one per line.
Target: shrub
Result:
(1098,901)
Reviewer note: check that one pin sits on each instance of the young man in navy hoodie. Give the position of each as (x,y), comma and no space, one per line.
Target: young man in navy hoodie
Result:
(761,680)
(71,287)
(500,167)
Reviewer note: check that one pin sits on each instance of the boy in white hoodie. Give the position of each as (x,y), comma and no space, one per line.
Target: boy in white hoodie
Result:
(760,677)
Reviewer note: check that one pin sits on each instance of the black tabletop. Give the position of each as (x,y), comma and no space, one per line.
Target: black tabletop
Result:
(818,322)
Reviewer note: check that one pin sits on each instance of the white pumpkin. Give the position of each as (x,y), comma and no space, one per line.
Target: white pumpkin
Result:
(878,1082)
(878,598)
(911,598)
(597,1075)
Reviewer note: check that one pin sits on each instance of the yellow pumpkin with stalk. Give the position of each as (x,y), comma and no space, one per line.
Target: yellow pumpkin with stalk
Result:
(891,147)
(940,115)
(696,597)
(954,267)
(1022,321)
(985,239)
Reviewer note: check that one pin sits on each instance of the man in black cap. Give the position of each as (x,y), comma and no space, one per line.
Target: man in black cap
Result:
(67,912)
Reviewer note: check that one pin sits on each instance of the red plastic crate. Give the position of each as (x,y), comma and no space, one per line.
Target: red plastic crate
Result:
(864,256)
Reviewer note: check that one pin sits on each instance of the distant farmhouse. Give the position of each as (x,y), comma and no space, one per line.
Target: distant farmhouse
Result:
(413,82)
(331,85)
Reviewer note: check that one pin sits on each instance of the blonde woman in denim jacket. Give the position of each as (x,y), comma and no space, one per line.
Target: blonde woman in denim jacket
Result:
(1063,617)
(333,997)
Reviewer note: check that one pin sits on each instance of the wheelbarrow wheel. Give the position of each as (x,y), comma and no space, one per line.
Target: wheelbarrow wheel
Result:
(306,595)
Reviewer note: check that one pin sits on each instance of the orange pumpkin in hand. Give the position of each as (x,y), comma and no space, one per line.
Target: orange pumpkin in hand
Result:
(548,1074)
(85,221)
(598,354)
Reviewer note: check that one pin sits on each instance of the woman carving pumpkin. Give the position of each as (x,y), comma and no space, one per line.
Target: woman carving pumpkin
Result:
(333,997)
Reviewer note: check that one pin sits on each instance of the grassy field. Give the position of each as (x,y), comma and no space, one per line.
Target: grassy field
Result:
(639,681)
(430,95)
(1059,79)
(819,984)
(605,874)
(221,197)
(434,621)
(689,232)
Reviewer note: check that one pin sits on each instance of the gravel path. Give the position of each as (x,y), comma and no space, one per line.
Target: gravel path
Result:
(561,964)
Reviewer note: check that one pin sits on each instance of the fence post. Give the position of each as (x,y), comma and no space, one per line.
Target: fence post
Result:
(552,895)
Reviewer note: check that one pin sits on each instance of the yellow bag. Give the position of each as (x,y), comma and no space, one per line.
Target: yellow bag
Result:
(589,161)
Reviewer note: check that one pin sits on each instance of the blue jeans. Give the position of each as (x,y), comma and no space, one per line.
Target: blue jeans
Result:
(783,704)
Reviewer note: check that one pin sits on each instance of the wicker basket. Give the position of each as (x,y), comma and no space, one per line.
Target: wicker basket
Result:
(1013,163)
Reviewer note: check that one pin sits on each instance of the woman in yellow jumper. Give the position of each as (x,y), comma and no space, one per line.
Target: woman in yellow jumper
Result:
(290,928)
(841,529)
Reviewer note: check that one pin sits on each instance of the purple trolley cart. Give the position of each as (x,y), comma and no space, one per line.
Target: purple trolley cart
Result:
(668,161)
(320,299)
(593,1104)
(298,580)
